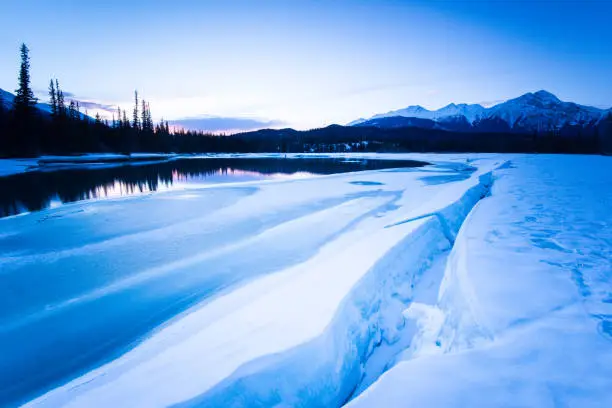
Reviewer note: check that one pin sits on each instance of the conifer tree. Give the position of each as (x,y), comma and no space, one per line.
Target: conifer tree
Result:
(144,116)
(135,123)
(147,122)
(53,98)
(126,122)
(24,96)
(61,105)
(72,110)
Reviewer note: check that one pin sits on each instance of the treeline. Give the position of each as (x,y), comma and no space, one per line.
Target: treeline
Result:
(27,130)
(412,139)
(62,128)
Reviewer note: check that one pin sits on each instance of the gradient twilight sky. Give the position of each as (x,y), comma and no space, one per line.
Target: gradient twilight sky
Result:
(310,63)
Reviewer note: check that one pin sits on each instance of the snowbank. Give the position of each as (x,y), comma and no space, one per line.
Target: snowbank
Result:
(524,314)
(15,166)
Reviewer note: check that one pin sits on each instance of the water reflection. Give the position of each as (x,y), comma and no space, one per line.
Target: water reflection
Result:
(43,189)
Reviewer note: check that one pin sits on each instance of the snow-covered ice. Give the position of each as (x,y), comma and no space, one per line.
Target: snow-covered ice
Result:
(302,292)
(15,166)
(277,263)
(524,313)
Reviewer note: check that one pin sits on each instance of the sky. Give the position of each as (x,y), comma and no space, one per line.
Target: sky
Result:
(228,65)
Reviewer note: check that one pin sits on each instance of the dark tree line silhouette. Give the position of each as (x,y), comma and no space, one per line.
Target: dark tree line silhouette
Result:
(27,130)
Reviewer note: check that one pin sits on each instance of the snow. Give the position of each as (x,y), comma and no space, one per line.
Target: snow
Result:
(14,166)
(538,111)
(7,98)
(257,279)
(543,111)
(303,292)
(10,167)
(524,312)
(471,112)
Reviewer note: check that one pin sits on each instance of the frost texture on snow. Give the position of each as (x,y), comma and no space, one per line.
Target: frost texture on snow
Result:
(294,292)
(302,279)
(523,316)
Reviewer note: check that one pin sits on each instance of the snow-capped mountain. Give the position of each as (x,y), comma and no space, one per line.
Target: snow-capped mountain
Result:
(470,112)
(543,111)
(539,111)
(7,100)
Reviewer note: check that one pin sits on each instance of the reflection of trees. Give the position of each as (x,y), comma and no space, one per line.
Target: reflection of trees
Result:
(35,191)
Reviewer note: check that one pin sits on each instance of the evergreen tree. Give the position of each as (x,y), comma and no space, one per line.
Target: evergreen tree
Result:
(61,106)
(126,122)
(147,122)
(72,114)
(24,97)
(144,115)
(98,119)
(136,122)
(149,117)
(53,98)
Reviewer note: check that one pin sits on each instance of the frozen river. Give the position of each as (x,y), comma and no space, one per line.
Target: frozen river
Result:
(475,280)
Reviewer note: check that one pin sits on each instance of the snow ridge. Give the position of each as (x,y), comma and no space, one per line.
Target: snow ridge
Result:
(347,342)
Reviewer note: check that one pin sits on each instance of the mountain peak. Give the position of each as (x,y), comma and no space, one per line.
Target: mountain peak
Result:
(531,111)
(546,96)
(415,108)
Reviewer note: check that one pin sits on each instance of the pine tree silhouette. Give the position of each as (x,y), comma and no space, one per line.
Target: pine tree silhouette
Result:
(135,122)
(24,96)
(53,98)
(61,106)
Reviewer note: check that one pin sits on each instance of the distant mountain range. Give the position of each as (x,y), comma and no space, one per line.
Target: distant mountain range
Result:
(538,112)
(533,112)
(44,108)
(8,97)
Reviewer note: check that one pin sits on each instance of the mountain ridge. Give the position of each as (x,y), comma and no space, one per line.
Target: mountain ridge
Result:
(531,112)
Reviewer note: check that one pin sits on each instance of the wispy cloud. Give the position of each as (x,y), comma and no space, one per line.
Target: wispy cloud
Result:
(84,102)
(225,124)
(44,93)
(96,106)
